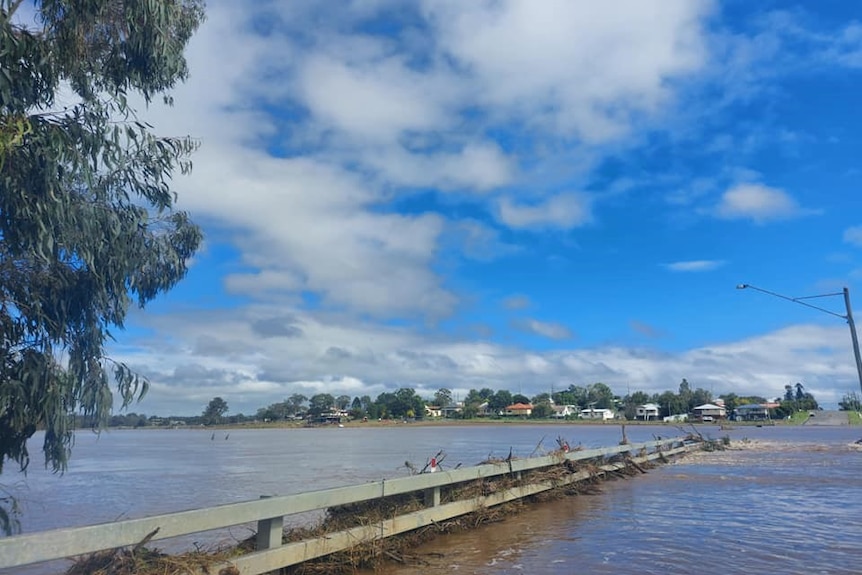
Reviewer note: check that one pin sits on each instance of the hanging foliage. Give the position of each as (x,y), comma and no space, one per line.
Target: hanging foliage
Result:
(88,225)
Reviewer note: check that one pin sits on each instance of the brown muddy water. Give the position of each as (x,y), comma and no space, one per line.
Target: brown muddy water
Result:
(785,500)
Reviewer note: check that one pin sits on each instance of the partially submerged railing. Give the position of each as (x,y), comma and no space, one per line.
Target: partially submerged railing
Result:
(269,512)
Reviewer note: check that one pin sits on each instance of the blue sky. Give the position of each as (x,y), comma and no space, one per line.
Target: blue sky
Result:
(514,194)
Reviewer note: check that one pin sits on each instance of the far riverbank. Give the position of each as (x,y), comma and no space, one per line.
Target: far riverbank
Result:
(845,418)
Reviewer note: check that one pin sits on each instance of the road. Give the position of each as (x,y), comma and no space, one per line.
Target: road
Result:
(828,418)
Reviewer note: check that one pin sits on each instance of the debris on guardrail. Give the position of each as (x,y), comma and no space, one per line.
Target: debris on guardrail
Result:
(564,476)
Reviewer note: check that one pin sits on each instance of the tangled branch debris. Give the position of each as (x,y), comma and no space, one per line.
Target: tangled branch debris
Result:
(141,560)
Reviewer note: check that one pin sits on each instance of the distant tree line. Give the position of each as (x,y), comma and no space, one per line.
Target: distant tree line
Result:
(405,403)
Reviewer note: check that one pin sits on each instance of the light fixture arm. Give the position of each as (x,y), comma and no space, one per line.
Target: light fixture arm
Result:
(797,299)
(848,318)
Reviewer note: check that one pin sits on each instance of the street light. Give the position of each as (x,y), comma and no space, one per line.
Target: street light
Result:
(848,318)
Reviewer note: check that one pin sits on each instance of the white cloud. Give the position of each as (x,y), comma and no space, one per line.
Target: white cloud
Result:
(549,330)
(572,67)
(517,301)
(352,121)
(845,48)
(563,211)
(306,190)
(385,99)
(311,226)
(758,203)
(694,265)
(337,356)
(853,235)
(476,240)
(478,167)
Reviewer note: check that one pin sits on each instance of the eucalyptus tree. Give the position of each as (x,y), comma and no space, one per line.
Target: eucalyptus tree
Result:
(214,411)
(295,402)
(442,397)
(88,221)
(320,403)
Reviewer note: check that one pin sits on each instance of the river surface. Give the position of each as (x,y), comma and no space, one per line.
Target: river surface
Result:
(787,500)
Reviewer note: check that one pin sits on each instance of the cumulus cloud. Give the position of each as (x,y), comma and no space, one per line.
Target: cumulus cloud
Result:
(853,235)
(572,67)
(758,203)
(549,330)
(517,301)
(476,240)
(305,155)
(308,157)
(338,356)
(386,99)
(563,211)
(845,48)
(694,265)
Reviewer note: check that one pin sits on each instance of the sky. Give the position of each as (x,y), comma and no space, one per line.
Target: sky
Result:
(514,194)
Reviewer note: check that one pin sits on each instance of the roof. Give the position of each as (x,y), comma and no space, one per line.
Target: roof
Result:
(708,406)
(751,406)
(649,406)
(515,406)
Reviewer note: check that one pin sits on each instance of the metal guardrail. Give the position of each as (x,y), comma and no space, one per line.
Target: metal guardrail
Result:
(269,512)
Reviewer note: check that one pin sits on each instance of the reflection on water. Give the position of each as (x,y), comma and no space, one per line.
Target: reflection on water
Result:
(790,510)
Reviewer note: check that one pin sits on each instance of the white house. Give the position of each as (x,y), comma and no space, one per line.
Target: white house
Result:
(709,411)
(592,413)
(646,411)
(433,411)
(563,411)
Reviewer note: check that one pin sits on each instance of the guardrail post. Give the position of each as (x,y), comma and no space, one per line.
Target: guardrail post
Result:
(432,497)
(269,531)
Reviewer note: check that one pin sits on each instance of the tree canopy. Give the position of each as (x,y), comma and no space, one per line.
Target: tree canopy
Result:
(214,411)
(88,225)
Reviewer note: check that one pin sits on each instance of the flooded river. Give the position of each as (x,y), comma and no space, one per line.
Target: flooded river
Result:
(786,501)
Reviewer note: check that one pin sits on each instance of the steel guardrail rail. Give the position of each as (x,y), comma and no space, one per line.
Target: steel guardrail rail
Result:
(62,543)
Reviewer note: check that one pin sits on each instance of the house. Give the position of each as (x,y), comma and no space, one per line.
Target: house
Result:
(483,410)
(331,418)
(646,411)
(563,411)
(433,411)
(752,412)
(452,410)
(709,412)
(518,409)
(593,413)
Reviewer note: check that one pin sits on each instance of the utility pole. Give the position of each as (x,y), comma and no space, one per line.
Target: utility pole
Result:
(848,317)
(853,335)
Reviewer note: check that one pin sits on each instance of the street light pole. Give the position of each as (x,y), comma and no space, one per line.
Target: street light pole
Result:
(848,318)
(853,335)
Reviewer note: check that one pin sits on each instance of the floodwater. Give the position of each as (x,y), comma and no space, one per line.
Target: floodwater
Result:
(788,500)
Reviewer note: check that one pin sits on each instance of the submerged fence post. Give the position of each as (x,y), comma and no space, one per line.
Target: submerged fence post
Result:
(269,531)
